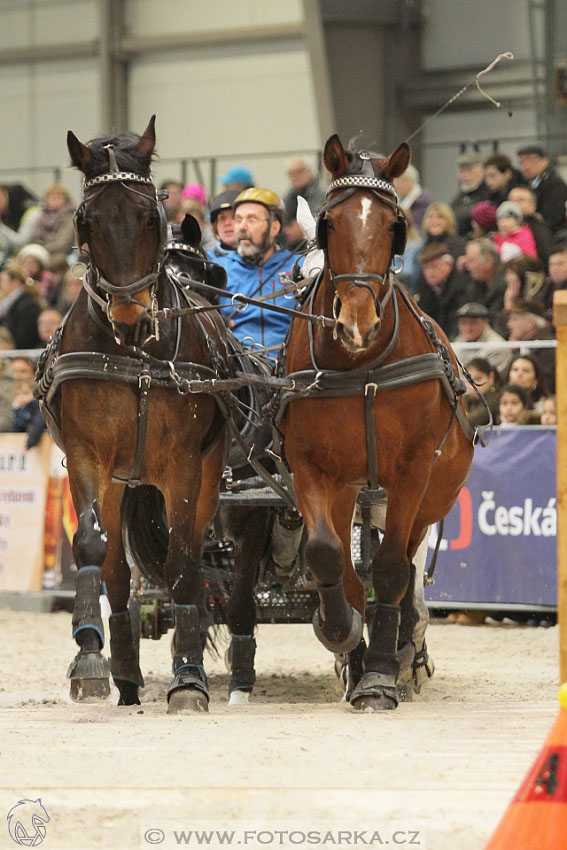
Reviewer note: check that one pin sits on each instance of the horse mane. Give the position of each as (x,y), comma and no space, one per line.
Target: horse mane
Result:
(128,157)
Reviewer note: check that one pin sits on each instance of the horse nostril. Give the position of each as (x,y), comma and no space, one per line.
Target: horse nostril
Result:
(372,333)
(344,331)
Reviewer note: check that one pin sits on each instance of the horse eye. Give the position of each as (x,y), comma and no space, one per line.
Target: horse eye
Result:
(152,218)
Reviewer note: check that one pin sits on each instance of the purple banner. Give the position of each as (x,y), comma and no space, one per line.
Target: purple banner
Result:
(500,540)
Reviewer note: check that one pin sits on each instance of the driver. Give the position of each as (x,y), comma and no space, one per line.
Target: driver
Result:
(257,267)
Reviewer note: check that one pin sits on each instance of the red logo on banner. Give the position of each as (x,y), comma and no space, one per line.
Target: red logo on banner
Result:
(466,521)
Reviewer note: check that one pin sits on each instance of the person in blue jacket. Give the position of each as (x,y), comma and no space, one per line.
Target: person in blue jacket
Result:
(257,267)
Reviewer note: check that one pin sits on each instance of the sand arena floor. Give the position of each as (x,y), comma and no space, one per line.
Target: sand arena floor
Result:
(445,765)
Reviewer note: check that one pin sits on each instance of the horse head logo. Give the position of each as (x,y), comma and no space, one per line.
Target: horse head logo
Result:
(26,823)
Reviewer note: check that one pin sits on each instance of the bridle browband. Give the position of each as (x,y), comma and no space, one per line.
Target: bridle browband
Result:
(93,278)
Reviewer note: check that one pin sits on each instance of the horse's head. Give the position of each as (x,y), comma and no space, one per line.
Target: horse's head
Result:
(121,226)
(360,228)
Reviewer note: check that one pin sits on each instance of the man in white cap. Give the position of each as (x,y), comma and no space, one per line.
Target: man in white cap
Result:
(473,324)
(472,189)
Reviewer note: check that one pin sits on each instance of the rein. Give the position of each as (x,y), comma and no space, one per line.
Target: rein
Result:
(188,282)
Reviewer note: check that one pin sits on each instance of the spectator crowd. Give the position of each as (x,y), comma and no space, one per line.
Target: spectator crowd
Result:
(484,264)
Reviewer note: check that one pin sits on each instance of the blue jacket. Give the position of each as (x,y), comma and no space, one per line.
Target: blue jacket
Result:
(266,327)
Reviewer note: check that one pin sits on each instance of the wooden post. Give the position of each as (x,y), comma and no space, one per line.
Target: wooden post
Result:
(560,322)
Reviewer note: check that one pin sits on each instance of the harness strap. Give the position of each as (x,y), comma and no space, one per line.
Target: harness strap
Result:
(278,456)
(144,383)
(259,469)
(370,391)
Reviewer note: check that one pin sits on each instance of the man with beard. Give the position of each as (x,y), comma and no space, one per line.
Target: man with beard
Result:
(257,267)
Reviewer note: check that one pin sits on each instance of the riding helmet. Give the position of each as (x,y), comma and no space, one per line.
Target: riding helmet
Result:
(268,199)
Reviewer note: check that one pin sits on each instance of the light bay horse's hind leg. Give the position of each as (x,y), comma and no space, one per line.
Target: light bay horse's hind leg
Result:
(423,666)
(124,651)
(89,670)
(191,497)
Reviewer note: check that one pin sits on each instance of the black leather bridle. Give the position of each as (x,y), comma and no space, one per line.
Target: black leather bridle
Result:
(92,277)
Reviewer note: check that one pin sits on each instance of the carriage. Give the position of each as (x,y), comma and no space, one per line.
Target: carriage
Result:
(367,395)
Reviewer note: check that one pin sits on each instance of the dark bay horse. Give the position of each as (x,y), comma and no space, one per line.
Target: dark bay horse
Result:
(383,408)
(125,417)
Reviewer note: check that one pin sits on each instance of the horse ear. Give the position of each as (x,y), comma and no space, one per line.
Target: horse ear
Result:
(191,230)
(397,162)
(216,276)
(80,154)
(147,143)
(334,156)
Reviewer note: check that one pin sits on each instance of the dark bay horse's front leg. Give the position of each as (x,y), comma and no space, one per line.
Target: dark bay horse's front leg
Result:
(249,530)
(89,670)
(124,651)
(336,623)
(191,497)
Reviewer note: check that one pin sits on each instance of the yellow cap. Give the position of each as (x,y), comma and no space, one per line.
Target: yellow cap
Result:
(563,695)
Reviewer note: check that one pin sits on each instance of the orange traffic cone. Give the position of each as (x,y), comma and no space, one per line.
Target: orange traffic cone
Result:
(536,819)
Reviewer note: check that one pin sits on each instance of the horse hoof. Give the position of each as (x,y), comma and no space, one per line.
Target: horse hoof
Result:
(128,693)
(404,691)
(187,701)
(89,690)
(89,674)
(375,692)
(423,669)
(370,703)
(239,698)
(349,643)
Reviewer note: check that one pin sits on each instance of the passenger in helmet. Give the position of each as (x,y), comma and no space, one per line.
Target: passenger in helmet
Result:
(222,222)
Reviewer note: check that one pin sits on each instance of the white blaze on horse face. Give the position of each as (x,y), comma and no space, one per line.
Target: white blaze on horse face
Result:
(366,203)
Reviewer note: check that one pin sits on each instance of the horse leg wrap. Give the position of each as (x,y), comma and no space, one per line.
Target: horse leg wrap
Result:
(242,673)
(123,657)
(381,660)
(404,684)
(86,611)
(286,538)
(188,655)
(381,655)
(340,628)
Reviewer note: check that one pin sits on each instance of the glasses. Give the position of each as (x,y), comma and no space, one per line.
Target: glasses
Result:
(252,220)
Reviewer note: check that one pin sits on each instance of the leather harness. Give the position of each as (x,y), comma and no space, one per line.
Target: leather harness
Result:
(144,370)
